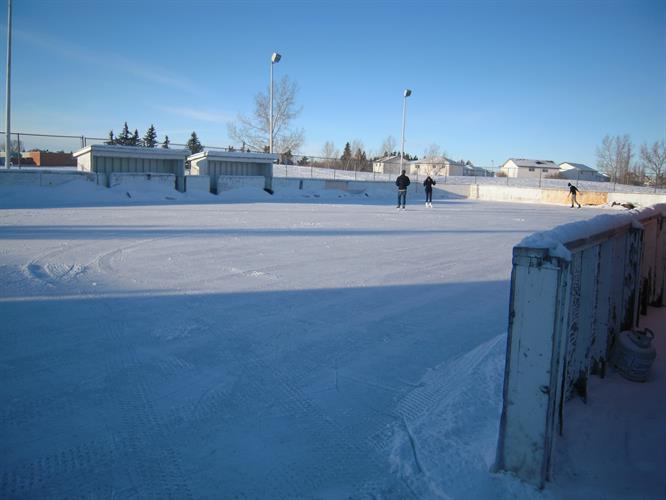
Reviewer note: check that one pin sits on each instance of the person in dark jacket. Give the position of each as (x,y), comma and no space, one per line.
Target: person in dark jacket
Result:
(572,192)
(428,184)
(402,182)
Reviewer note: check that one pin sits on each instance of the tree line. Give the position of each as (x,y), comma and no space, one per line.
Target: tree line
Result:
(149,140)
(618,158)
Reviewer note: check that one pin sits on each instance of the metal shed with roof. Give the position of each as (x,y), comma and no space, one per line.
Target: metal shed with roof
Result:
(107,159)
(233,163)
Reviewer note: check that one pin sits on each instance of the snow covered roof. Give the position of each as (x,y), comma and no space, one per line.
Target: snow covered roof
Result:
(235,156)
(388,159)
(526,163)
(578,166)
(132,152)
(435,160)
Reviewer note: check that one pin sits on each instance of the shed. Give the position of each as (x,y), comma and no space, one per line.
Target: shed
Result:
(106,159)
(233,163)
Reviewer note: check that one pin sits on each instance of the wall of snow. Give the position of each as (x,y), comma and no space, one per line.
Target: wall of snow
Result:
(197,184)
(573,289)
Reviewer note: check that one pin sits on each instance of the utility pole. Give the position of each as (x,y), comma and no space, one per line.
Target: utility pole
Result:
(8,132)
(405,95)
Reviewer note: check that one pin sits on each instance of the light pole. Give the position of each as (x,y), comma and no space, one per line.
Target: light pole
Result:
(275,58)
(406,94)
(8,132)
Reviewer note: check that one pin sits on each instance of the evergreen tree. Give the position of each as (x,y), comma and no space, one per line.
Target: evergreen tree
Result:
(303,161)
(135,140)
(124,138)
(150,139)
(193,144)
(111,140)
(287,158)
(166,142)
(346,154)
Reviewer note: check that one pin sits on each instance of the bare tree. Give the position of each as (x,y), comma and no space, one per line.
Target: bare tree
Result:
(388,146)
(254,130)
(432,151)
(653,159)
(614,157)
(329,150)
(330,154)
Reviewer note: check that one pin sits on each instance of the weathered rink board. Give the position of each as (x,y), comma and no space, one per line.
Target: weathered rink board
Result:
(573,289)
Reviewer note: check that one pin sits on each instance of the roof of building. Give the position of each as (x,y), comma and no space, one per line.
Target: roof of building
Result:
(435,160)
(388,159)
(524,162)
(132,152)
(235,156)
(578,166)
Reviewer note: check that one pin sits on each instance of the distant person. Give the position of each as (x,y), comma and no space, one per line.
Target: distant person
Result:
(573,190)
(428,184)
(402,182)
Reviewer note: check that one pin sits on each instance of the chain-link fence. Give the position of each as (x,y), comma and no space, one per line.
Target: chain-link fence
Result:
(344,168)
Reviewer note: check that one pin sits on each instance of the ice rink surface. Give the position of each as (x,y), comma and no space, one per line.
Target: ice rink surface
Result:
(259,350)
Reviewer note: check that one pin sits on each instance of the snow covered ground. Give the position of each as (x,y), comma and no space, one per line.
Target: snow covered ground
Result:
(306,345)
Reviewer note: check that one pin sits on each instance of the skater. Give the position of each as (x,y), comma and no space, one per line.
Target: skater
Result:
(572,192)
(428,184)
(402,182)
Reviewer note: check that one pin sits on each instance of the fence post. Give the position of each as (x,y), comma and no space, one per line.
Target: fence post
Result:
(18,149)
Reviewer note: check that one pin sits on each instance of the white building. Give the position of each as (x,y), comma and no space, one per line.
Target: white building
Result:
(580,172)
(437,165)
(521,167)
(389,165)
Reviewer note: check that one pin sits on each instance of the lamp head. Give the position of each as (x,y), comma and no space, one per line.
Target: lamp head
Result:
(276,57)
(408,92)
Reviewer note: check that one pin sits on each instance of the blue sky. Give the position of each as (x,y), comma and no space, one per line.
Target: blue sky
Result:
(491,80)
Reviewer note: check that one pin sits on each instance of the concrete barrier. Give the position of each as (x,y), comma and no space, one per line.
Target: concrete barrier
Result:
(573,290)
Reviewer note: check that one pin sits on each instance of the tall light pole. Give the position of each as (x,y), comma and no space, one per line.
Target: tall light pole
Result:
(406,94)
(8,132)
(275,58)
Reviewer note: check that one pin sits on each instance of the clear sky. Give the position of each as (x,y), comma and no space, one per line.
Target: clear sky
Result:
(490,79)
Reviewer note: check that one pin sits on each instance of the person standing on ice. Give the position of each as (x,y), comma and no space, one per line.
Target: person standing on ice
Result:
(572,192)
(428,184)
(402,182)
